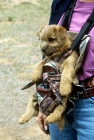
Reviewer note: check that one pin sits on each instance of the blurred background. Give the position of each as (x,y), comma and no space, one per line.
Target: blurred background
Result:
(19,52)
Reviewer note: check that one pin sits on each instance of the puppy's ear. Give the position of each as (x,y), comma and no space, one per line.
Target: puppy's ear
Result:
(61,31)
(40,31)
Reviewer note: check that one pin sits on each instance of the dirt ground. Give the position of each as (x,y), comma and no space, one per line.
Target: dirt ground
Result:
(19,52)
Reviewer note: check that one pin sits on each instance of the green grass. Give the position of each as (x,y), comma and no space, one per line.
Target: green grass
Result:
(26,11)
(23,18)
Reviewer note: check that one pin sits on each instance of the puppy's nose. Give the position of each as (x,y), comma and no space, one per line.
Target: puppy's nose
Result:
(44,49)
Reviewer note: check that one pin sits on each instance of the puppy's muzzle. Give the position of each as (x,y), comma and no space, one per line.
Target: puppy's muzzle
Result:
(44,49)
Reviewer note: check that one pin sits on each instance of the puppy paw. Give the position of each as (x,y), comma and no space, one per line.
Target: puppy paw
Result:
(53,118)
(56,115)
(24,118)
(61,123)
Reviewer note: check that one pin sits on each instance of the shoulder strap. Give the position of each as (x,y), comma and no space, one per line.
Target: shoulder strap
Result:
(68,14)
(84,30)
(58,7)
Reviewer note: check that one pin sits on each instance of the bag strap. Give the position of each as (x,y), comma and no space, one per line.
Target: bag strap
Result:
(68,14)
(84,30)
(58,7)
(28,85)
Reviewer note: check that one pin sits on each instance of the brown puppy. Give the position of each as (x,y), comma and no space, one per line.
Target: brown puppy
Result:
(54,42)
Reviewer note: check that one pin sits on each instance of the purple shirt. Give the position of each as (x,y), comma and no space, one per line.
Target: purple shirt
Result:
(81,12)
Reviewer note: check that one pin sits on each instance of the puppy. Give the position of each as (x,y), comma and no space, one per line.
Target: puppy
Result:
(54,42)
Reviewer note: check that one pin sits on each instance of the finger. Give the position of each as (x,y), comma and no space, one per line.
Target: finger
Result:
(46,124)
(40,121)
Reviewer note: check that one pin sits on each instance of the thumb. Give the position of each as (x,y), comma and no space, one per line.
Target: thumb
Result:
(45,123)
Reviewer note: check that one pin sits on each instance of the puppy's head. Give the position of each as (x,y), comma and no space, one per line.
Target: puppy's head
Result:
(53,39)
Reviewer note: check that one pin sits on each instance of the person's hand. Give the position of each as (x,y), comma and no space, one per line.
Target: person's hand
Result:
(42,123)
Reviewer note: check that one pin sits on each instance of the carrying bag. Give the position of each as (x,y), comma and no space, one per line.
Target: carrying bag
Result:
(48,87)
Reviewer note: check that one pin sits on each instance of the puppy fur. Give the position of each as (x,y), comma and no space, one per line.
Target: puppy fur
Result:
(54,42)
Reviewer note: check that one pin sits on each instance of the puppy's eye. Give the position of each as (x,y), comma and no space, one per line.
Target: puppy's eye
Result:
(51,39)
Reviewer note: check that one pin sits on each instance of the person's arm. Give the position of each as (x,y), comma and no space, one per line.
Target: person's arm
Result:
(42,123)
(57,9)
